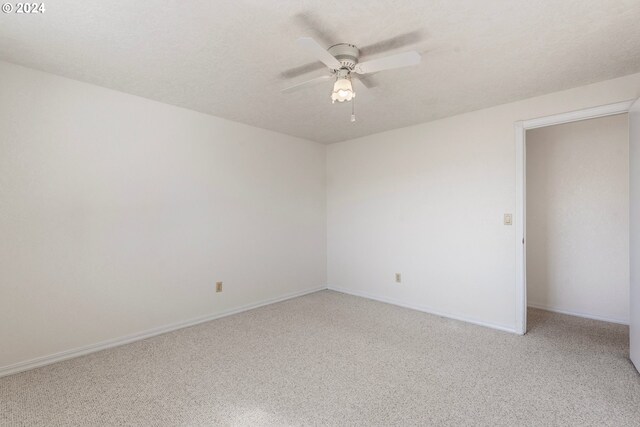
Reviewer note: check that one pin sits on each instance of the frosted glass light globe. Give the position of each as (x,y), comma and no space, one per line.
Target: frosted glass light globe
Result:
(342,91)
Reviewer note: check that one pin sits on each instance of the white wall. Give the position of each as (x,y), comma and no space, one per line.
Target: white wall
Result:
(578,218)
(118,214)
(428,201)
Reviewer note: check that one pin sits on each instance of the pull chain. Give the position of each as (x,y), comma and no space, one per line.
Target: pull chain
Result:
(353,109)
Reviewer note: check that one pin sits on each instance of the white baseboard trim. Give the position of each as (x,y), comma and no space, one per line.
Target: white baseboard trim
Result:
(424,309)
(115,342)
(576,314)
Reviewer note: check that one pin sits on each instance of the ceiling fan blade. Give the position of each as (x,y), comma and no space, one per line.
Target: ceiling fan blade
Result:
(396,42)
(358,87)
(362,89)
(306,84)
(365,80)
(315,27)
(318,52)
(404,59)
(302,69)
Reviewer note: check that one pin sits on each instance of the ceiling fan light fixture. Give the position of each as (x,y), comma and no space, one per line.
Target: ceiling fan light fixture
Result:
(342,90)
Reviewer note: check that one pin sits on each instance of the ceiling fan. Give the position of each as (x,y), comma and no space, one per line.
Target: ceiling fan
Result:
(343,61)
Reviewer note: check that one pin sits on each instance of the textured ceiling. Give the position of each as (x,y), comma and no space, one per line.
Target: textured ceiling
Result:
(227,58)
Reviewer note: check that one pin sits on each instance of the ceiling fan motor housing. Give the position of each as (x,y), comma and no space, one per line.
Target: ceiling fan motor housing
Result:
(346,53)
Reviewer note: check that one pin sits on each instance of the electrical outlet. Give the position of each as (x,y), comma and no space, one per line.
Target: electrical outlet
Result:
(218,286)
(398,278)
(508,219)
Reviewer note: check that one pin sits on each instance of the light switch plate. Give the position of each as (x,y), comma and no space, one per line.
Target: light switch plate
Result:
(508,219)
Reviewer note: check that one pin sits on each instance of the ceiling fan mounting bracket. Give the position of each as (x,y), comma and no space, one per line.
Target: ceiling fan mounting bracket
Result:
(346,53)
(342,73)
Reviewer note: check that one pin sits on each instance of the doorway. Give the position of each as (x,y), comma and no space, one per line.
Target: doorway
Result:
(577,218)
(520,214)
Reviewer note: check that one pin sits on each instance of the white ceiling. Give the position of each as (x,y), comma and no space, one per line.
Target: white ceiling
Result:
(226,57)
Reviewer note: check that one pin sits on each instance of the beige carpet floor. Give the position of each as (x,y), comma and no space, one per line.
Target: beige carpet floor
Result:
(334,359)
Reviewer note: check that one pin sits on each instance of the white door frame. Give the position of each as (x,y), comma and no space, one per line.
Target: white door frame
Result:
(521,128)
